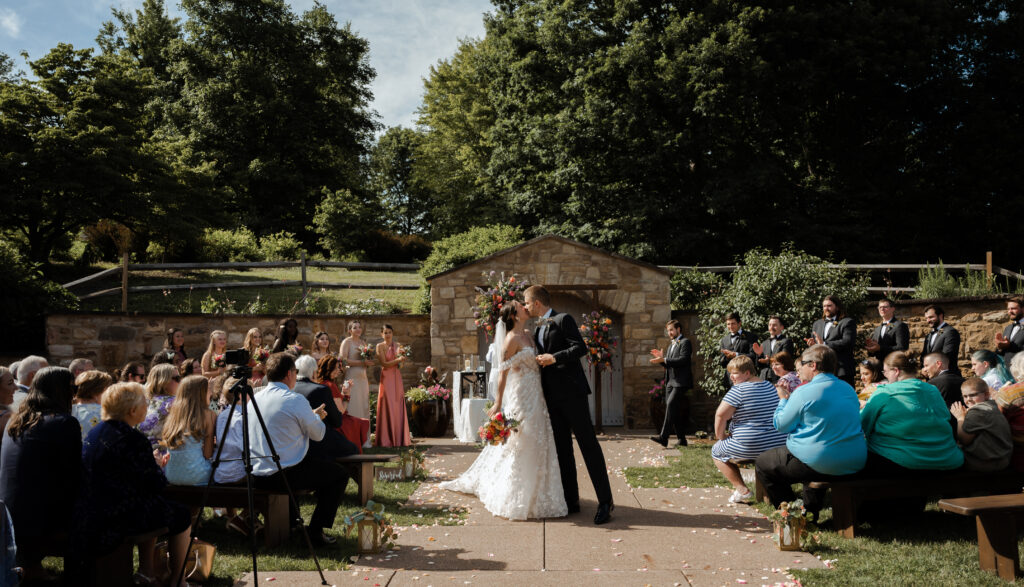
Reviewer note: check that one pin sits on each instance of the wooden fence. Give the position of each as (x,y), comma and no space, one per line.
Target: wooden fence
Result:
(126,268)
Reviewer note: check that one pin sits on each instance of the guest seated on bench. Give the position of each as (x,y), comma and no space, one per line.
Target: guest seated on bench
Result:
(906,424)
(1010,400)
(123,485)
(334,443)
(991,368)
(40,469)
(292,425)
(749,403)
(822,420)
(188,433)
(983,432)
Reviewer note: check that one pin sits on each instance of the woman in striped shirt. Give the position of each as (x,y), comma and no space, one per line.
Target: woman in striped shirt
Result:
(750,405)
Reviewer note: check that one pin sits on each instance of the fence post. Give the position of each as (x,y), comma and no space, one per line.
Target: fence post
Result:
(305,288)
(988,267)
(124,281)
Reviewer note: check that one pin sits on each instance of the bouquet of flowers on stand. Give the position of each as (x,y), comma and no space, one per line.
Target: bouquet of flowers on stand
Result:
(367,352)
(493,297)
(498,429)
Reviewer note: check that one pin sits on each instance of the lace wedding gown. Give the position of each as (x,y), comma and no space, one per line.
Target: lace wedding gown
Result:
(519,479)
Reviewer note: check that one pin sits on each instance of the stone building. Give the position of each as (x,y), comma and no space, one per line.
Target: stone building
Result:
(580,278)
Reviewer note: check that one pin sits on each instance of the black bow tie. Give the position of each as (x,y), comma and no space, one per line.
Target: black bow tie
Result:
(774,338)
(886,323)
(830,320)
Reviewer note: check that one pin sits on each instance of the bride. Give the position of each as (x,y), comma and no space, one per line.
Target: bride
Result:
(519,479)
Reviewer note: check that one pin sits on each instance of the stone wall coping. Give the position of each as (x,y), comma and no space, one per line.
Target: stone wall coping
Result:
(201,315)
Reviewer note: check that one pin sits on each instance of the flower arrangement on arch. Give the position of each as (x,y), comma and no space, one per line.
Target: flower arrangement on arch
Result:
(601,345)
(491,298)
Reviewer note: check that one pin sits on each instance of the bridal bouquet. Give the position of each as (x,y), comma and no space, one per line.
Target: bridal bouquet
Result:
(367,352)
(492,298)
(498,429)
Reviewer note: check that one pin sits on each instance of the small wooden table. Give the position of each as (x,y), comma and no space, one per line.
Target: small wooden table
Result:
(995,516)
(362,471)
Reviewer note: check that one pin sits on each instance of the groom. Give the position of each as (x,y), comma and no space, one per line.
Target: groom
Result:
(565,391)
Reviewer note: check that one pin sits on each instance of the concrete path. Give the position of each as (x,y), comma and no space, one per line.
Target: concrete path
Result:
(664,536)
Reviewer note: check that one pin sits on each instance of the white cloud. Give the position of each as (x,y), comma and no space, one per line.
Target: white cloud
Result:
(10,22)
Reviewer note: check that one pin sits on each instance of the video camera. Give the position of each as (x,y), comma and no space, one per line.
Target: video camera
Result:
(238,360)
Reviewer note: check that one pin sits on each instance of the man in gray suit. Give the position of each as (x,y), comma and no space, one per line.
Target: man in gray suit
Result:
(678,381)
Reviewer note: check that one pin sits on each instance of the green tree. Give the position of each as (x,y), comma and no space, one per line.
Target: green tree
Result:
(277,103)
(404,200)
(790,284)
(340,221)
(26,298)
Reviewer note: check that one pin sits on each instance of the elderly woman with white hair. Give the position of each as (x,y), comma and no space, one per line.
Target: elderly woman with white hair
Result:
(1010,400)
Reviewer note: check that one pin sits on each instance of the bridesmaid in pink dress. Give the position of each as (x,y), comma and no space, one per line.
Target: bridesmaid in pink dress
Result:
(392,422)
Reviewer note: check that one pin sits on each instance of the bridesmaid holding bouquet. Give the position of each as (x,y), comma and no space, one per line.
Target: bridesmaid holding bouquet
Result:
(352,357)
(392,422)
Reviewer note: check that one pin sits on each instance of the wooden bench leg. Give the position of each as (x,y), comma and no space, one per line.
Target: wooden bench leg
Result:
(365,482)
(997,545)
(759,492)
(276,525)
(844,511)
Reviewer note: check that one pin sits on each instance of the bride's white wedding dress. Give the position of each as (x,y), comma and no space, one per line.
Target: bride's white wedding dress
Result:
(519,479)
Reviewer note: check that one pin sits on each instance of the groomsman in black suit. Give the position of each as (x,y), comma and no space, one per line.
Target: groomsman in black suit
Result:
(891,335)
(942,339)
(565,390)
(735,342)
(839,333)
(678,381)
(936,368)
(778,341)
(1011,341)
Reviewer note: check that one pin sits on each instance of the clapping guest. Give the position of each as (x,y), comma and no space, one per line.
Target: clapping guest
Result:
(321,346)
(990,367)
(1011,340)
(777,342)
(40,469)
(678,381)
(736,342)
(749,404)
(160,391)
(981,429)
(839,333)
(218,345)
(906,424)
(870,371)
(89,388)
(822,421)
(188,433)
(891,335)
(784,370)
(124,482)
(942,339)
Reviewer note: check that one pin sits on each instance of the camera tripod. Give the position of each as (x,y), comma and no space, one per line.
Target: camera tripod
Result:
(241,390)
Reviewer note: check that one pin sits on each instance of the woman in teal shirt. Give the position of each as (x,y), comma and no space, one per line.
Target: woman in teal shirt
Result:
(906,424)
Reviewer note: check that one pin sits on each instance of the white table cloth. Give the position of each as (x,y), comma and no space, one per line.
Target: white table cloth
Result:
(470,412)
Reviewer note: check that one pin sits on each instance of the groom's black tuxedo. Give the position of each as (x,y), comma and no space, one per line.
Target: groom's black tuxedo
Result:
(565,391)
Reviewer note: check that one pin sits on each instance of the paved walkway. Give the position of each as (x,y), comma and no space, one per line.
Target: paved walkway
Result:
(664,536)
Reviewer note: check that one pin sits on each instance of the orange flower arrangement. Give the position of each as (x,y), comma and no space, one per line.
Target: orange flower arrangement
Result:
(497,429)
(601,345)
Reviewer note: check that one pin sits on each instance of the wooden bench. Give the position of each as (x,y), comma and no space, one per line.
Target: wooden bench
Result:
(273,506)
(996,518)
(361,467)
(759,493)
(849,493)
(117,568)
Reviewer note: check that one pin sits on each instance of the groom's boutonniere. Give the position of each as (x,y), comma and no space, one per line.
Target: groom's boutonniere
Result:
(545,322)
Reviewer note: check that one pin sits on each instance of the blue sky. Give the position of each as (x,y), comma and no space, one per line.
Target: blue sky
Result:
(406,36)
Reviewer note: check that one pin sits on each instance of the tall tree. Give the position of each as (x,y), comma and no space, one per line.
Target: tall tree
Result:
(278,104)
(404,200)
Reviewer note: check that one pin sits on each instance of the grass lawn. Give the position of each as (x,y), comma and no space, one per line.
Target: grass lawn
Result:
(931,548)
(234,559)
(278,299)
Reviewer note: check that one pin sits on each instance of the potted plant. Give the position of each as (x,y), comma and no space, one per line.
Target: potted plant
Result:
(429,404)
(657,395)
(791,521)
(374,530)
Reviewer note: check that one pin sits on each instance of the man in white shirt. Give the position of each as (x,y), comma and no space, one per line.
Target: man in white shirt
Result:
(291,425)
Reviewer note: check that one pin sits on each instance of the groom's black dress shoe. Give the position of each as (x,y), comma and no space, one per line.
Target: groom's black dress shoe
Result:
(604,513)
(574,508)
(660,441)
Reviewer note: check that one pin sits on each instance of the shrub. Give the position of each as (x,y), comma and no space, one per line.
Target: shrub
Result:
(340,222)
(692,288)
(790,284)
(26,297)
(220,245)
(462,248)
(936,282)
(387,247)
(281,246)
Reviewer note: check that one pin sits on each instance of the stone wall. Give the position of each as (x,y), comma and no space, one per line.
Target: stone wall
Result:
(640,300)
(113,339)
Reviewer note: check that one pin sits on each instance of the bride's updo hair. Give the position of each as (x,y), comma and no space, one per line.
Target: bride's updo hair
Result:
(508,315)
